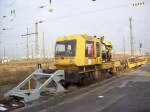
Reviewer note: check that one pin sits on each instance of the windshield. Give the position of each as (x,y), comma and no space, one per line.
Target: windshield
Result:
(65,48)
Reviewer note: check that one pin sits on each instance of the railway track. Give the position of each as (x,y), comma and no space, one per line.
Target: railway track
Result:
(7,105)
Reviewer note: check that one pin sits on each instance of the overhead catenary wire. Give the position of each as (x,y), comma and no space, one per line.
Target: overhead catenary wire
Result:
(55,19)
(84,13)
(92,11)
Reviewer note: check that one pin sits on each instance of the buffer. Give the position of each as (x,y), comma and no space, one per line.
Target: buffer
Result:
(38,82)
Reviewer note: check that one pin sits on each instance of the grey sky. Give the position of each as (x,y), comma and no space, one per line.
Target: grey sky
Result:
(102,17)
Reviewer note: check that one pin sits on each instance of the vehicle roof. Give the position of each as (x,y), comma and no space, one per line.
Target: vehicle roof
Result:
(77,36)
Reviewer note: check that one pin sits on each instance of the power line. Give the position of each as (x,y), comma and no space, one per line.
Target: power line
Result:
(94,11)
(89,12)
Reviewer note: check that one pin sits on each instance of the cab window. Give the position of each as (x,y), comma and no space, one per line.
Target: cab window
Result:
(65,48)
(89,49)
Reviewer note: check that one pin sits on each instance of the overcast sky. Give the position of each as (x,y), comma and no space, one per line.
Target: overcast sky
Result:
(101,17)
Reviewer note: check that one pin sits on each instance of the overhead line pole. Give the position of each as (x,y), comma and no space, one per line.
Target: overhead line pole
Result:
(4,53)
(27,44)
(124,46)
(131,37)
(43,46)
(36,40)
(0,51)
(140,48)
(32,54)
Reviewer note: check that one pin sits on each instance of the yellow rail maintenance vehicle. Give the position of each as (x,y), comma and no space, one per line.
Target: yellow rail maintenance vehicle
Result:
(81,56)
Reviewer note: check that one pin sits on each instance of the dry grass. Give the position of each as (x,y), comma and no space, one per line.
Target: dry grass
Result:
(14,72)
(11,76)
